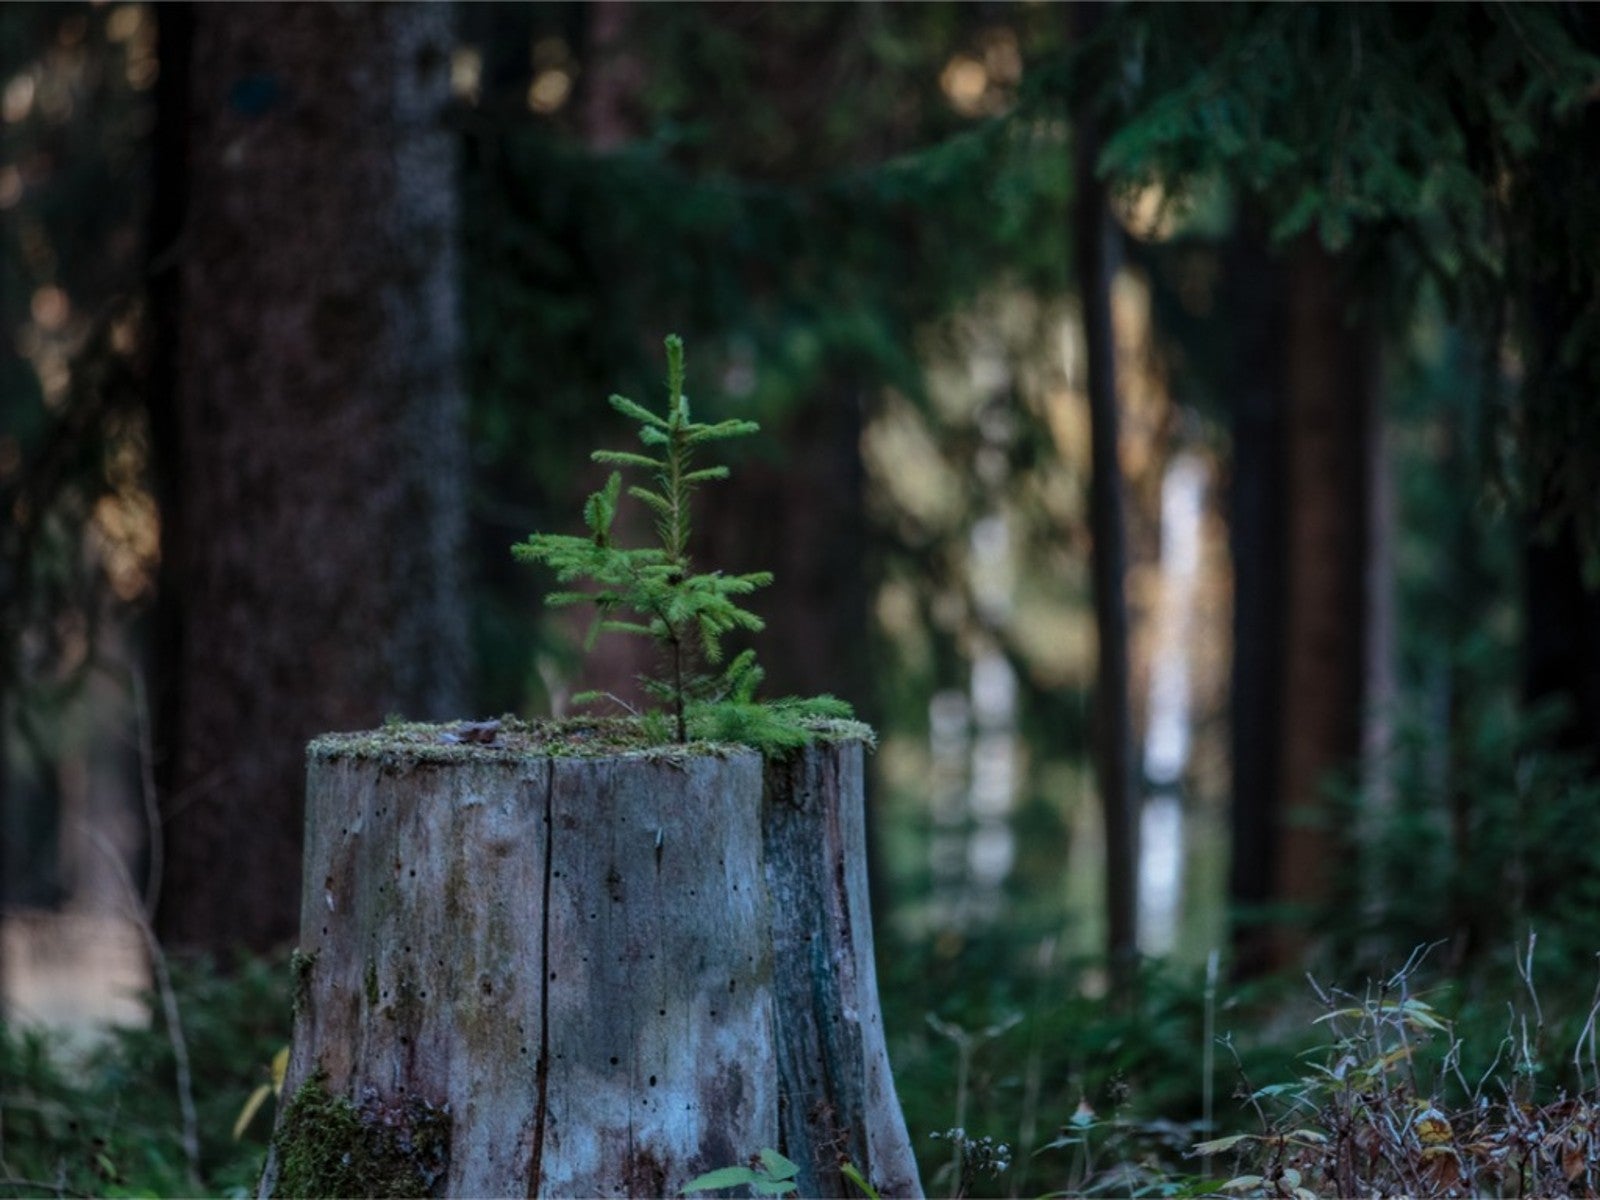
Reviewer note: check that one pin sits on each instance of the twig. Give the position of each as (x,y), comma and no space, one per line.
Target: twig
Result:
(1419,952)
(1531,1053)
(1249,1090)
(1588,1035)
(169,1008)
(1208,1051)
(147,787)
(1033,1077)
(32,1186)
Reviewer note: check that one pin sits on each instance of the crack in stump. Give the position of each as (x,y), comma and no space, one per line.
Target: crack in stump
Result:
(542,1069)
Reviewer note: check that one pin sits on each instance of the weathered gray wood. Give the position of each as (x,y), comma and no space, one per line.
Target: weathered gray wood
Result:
(836,1093)
(617,972)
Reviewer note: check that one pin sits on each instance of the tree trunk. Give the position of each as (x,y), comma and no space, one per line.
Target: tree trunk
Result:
(813,537)
(1119,793)
(319,448)
(1330,388)
(596,975)
(1255,524)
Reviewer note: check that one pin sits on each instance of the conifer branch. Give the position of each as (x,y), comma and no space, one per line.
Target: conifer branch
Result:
(654,592)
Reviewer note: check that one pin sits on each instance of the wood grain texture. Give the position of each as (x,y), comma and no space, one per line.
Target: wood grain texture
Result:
(836,1092)
(618,972)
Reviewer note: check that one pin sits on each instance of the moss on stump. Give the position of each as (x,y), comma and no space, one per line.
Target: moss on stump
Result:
(328,1146)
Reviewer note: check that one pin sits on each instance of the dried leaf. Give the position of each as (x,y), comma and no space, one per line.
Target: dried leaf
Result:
(1574,1161)
(1433,1128)
(1442,1167)
(253,1106)
(1218,1145)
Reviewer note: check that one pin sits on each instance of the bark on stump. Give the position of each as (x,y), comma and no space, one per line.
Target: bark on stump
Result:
(611,973)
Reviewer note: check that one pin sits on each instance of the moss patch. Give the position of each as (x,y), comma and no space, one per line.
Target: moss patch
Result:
(300,964)
(405,743)
(328,1146)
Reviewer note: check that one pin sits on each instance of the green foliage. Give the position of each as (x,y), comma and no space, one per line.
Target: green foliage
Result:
(1439,144)
(107,1122)
(653,591)
(771,1174)
(795,190)
(1399,1101)
(1025,1050)
(328,1146)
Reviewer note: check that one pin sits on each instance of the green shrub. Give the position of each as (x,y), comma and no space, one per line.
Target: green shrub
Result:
(108,1122)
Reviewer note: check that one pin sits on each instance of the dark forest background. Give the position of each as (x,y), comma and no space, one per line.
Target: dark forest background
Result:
(1180,439)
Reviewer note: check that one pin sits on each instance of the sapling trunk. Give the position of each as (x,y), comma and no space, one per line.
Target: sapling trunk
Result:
(677,689)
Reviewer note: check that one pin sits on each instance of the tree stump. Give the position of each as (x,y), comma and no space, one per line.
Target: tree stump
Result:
(836,1095)
(529,967)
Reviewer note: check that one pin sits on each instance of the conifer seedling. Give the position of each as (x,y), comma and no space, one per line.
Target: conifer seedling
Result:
(654,592)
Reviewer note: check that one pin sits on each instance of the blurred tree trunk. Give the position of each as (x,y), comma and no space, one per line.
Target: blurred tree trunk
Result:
(1308,479)
(1255,297)
(1562,643)
(613,79)
(1328,419)
(1093,235)
(810,531)
(315,434)
(1560,426)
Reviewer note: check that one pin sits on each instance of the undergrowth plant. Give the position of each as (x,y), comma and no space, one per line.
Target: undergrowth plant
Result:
(654,591)
(1393,1105)
(104,1120)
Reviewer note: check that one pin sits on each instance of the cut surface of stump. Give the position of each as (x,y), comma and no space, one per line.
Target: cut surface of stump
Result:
(572,958)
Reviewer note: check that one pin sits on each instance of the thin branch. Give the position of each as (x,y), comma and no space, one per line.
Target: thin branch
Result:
(35,1186)
(147,788)
(169,1006)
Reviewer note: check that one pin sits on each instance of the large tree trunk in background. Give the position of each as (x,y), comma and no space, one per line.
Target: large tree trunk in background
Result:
(1330,396)
(1255,522)
(1114,761)
(319,451)
(810,532)
(618,972)
(1560,426)
(1562,644)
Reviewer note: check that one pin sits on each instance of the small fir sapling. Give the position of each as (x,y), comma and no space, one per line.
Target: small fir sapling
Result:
(654,592)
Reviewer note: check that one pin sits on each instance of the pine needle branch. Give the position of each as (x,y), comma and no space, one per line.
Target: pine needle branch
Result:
(654,591)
